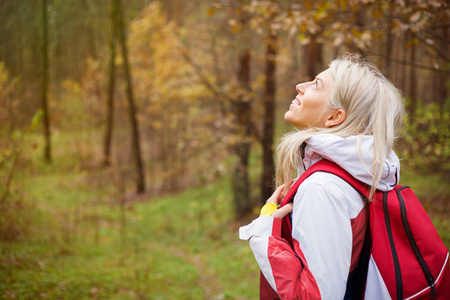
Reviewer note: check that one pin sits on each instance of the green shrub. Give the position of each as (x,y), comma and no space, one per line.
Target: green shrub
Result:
(425,141)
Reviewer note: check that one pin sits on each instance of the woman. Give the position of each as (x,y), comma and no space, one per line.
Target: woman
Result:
(349,114)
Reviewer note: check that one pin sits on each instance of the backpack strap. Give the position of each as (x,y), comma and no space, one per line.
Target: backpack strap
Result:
(320,166)
(328,167)
(357,278)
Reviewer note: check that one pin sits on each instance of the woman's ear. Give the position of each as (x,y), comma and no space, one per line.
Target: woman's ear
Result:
(335,118)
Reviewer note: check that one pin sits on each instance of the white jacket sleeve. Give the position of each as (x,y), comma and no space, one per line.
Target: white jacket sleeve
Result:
(321,225)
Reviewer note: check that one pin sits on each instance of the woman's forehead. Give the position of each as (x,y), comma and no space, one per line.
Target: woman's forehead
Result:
(326,77)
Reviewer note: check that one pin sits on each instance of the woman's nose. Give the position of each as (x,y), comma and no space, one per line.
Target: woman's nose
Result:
(300,88)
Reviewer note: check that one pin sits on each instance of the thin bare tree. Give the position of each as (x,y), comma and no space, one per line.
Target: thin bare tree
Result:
(44,82)
(140,180)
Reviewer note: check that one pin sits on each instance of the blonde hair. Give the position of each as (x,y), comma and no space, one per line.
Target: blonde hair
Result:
(373,106)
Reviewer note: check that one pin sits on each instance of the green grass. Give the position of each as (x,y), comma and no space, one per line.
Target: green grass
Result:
(81,236)
(176,247)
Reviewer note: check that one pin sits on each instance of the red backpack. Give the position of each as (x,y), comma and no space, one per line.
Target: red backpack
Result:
(407,252)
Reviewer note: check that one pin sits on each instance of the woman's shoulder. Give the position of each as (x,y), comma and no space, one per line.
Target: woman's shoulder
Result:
(335,188)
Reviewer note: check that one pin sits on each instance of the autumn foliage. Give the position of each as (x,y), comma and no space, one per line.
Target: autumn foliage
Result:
(211,80)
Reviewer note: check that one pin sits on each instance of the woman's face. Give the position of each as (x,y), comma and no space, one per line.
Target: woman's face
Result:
(309,108)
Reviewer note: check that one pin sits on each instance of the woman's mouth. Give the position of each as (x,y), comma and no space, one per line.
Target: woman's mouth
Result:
(295,102)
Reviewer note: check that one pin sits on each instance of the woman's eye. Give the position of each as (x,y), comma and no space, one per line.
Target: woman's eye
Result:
(315,84)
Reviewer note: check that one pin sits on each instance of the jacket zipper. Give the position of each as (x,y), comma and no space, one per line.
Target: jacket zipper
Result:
(423,264)
(398,274)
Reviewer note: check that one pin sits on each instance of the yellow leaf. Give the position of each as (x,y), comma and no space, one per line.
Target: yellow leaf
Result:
(235,28)
(377,14)
(211,11)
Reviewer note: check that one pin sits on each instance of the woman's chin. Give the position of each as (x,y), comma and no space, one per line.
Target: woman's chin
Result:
(287,116)
(288,119)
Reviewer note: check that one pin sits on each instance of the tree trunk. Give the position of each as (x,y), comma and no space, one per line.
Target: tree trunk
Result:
(441,80)
(44,82)
(403,74)
(269,115)
(89,32)
(19,38)
(313,58)
(389,42)
(179,12)
(140,180)
(413,80)
(174,11)
(111,85)
(240,178)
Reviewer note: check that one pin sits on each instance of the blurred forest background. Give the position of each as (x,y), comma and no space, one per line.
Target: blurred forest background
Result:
(137,136)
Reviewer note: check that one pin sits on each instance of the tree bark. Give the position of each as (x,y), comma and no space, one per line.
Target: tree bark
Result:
(413,81)
(269,115)
(44,82)
(442,90)
(389,42)
(313,58)
(240,179)
(402,74)
(140,180)
(111,87)
(90,38)
(179,12)
(241,109)
(174,11)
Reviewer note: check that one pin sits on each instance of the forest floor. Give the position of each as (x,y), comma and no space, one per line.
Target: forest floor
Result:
(69,233)
(77,237)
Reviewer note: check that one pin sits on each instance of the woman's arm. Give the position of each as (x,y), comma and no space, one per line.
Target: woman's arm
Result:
(322,228)
(285,269)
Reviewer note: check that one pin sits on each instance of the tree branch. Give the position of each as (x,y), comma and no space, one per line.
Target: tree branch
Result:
(435,49)
(216,92)
(412,64)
